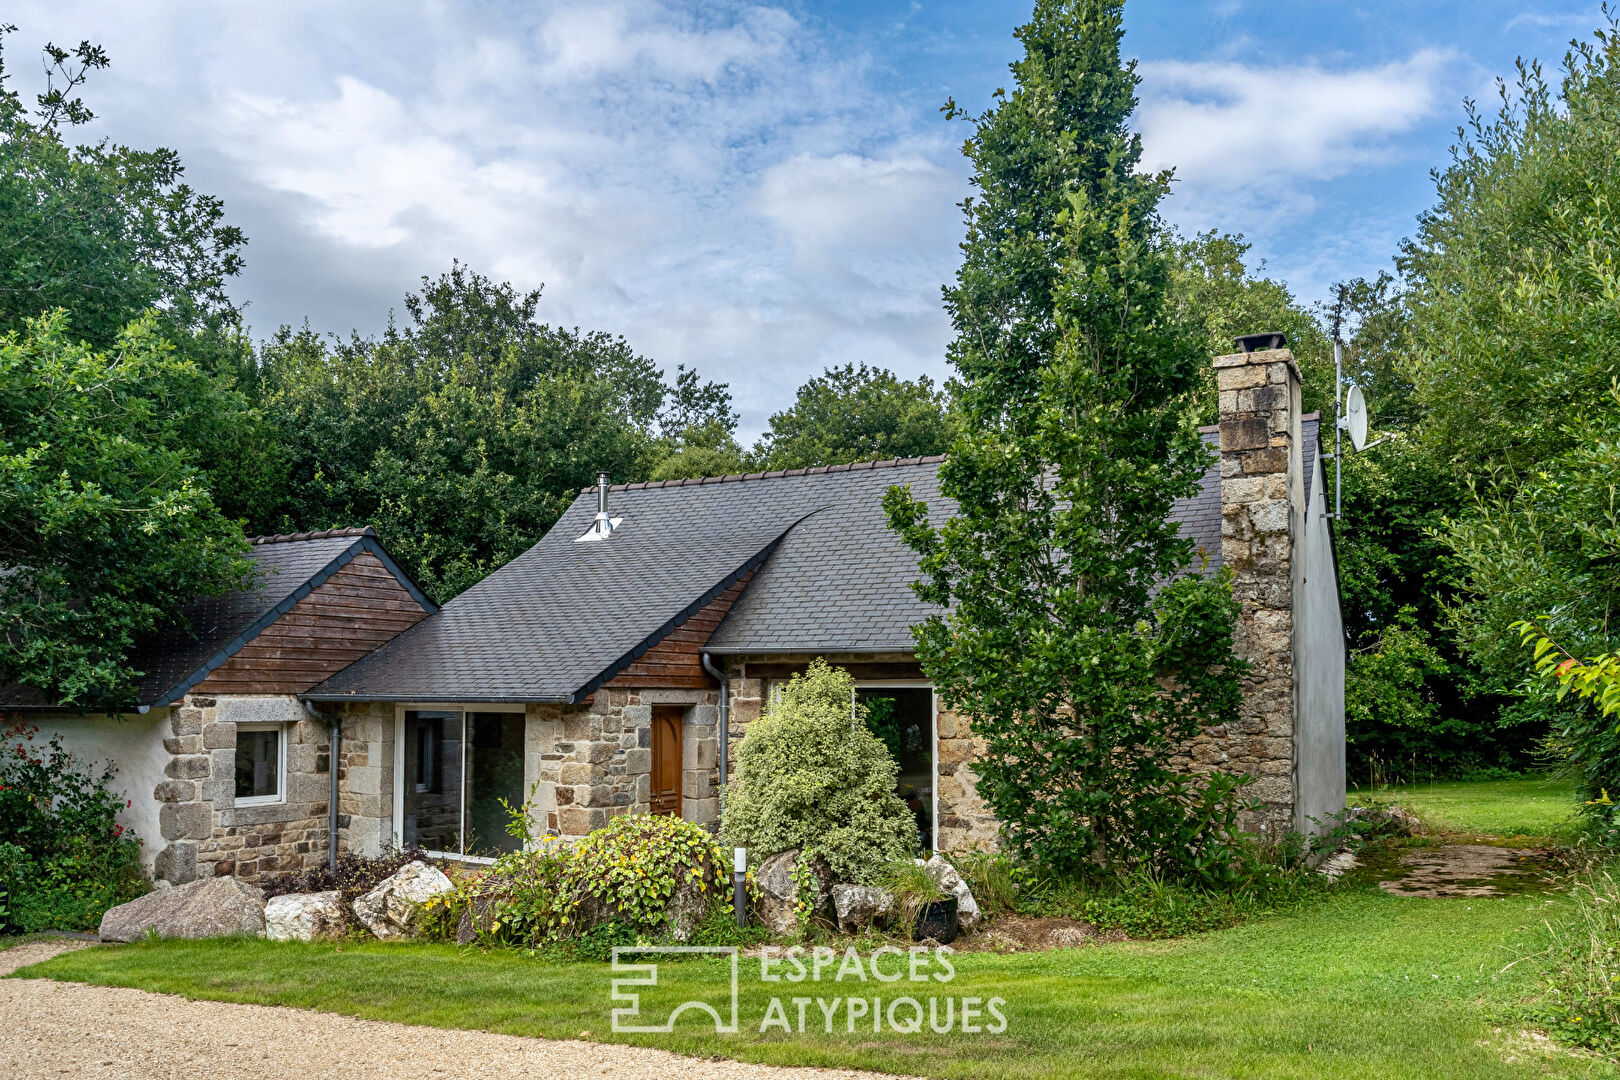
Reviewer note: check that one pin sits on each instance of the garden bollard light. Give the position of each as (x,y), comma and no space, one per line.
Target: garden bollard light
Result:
(739,879)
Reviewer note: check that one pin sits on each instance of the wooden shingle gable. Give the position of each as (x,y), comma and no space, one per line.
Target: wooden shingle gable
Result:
(360,606)
(677,659)
(353,600)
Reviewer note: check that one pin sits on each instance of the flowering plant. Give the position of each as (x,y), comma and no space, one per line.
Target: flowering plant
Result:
(67,858)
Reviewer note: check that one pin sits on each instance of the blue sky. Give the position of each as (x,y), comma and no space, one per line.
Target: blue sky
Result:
(755,189)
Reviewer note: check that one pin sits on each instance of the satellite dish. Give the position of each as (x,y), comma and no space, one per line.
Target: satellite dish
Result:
(1354,420)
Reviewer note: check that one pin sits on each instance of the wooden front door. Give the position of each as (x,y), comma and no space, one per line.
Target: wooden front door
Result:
(666,759)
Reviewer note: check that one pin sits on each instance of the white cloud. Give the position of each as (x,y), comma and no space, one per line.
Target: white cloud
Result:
(722,185)
(845,207)
(1591,19)
(1251,139)
(730,185)
(594,39)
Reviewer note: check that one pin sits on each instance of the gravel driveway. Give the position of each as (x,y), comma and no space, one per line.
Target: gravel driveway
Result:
(67,1029)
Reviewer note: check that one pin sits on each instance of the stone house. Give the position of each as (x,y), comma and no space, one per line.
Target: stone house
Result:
(613,666)
(225,769)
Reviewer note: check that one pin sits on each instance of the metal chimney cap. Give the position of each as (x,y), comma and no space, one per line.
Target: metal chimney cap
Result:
(602,525)
(1258,342)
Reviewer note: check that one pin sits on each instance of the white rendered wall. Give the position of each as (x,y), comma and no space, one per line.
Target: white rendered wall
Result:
(1320,654)
(134,744)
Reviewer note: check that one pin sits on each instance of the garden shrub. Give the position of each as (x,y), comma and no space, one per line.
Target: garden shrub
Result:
(627,880)
(719,927)
(990,877)
(635,865)
(809,773)
(354,876)
(65,859)
(599,941)
(912,887)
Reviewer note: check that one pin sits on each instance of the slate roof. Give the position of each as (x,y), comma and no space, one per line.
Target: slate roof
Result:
(565,617)
(841,581)
(213,628)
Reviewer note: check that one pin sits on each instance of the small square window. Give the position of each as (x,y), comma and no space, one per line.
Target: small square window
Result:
(259,764)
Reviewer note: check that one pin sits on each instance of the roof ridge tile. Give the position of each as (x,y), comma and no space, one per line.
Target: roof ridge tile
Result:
(323,534)
(773,474)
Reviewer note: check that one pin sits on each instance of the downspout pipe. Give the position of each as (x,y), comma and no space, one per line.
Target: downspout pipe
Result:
(334,728)
(708,665)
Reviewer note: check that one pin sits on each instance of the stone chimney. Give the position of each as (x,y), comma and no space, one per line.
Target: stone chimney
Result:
(1262,518)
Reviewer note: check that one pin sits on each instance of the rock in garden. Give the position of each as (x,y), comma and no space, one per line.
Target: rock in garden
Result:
(305,917)
(478,917)
(1393,820)
(779,892)
(1335,866)
(210,907)
(945,876)
(391,909)
(1404,819)
(687,908)
(858,906)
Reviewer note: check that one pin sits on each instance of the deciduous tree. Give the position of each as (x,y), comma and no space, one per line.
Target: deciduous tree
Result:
(462,434)
(857,413)
(107,527)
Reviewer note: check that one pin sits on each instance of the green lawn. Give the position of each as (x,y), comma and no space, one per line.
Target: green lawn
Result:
(1533,807)
(1363,985)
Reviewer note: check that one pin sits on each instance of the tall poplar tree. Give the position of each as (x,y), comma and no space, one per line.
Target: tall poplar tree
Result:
(1080,668)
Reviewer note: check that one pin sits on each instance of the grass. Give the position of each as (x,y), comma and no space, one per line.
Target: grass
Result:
(1364,984)
(1533,807)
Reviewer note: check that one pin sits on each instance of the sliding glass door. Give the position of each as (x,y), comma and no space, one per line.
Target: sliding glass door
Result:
(456,770)
(494,781)
(432,780)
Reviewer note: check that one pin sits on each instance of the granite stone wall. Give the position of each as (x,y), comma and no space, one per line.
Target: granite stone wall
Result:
(365,778)
(203,832)
(588,763)
(1262,508)
(965,821)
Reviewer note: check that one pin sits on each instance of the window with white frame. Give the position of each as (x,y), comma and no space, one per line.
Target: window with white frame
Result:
(261,764)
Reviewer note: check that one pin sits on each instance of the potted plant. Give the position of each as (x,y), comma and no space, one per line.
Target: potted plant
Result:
(920,905)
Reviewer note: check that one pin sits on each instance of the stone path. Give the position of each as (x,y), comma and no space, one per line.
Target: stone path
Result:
(1456,870)
(54,1029)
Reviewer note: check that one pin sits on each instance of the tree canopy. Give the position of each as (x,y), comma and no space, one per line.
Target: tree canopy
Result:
(109,527)
(107,232)
(1511,277)
(1213,287)
(465,432)
(1516,335)
(125,446)
(857,413)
